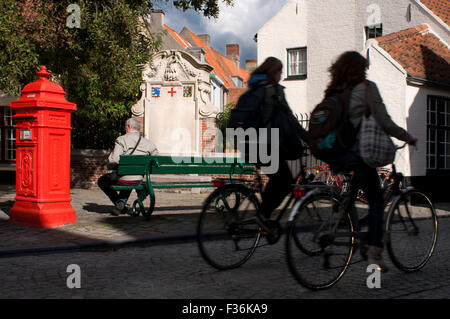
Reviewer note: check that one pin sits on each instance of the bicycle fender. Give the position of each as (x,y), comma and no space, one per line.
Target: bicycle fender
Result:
(300,202)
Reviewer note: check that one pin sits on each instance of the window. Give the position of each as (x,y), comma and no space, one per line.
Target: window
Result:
(237,81)
(438,134)
(374,31)
(297,67)
(7,136)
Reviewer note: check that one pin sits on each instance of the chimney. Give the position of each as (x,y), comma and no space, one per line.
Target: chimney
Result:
(250,65)
(233,54)
(157,20)
(206,38)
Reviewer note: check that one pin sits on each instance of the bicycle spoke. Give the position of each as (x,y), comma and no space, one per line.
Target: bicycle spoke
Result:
(227,233)
(317,256)
(411,231)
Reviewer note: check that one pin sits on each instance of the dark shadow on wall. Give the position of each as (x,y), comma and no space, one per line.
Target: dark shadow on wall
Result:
(436,74)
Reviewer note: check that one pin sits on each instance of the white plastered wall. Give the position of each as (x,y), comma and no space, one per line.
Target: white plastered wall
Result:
(416,103)
(287,29)
(390,78)
(393,16)
(331,31)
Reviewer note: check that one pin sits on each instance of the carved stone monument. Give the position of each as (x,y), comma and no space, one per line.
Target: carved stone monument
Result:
(175,100)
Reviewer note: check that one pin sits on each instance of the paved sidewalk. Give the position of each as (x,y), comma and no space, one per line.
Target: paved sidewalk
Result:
(175,217)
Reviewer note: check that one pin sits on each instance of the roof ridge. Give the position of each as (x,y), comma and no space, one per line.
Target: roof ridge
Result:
(218,68)
(439,10)
(178,37)
(419,51)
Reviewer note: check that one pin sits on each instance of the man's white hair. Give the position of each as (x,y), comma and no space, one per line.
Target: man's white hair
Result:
(134,124)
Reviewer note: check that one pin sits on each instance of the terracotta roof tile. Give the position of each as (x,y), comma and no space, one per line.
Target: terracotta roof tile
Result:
(185,44)
(419,52)
(224,68)
(230,67)
(440,8)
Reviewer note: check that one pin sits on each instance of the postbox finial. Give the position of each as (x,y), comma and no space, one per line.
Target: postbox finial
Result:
(43,72)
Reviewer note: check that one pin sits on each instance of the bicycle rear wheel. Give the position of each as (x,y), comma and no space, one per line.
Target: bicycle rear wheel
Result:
(317,255)
(411,231)
(227,232)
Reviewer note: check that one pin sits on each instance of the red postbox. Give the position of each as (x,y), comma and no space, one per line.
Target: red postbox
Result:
(42,123)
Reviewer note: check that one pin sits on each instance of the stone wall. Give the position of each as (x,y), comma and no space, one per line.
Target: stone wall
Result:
(208,131)
(86,166)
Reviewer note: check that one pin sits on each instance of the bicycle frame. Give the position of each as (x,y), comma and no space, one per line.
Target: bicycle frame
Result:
(394,192)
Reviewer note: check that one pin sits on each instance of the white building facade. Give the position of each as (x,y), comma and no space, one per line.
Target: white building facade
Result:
(308,35)
(325,29)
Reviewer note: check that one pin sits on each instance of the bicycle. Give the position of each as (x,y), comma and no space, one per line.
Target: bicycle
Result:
(322,173)
(228,231)
(323,233)
(384,174)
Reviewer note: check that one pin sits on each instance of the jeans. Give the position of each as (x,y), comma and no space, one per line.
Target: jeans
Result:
(365,178)
(112,179)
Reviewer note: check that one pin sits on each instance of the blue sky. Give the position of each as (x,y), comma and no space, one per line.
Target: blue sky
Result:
(237,24)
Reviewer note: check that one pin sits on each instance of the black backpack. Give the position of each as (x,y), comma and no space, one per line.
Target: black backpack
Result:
(248,110)
(330,130)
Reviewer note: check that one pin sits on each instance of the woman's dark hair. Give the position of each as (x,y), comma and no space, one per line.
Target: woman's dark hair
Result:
(269,67)
(348,71)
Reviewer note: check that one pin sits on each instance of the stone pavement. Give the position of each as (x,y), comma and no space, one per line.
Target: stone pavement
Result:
(175,218)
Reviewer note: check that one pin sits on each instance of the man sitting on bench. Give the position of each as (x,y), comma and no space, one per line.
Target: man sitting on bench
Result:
(132,143)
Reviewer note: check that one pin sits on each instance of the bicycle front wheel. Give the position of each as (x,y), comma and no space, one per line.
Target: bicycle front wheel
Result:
(411,231)
(318,254)
(227,231)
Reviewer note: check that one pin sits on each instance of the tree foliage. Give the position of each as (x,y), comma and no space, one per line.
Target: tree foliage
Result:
(210,8)
(222,122)
(99,64)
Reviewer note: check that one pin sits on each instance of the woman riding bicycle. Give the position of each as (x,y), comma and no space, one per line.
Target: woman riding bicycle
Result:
(267,77)
(349,72)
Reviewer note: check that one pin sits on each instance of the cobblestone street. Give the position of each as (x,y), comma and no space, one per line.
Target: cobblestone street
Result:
(178,271)
(166,263)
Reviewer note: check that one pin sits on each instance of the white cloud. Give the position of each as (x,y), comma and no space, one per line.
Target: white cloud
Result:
(245,17)
(235,24)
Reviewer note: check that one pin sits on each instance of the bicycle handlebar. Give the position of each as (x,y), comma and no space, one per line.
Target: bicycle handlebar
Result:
(400,147)
(403,146)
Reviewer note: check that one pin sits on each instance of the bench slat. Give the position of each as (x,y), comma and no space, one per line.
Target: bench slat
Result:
(160,186)
(134,159)
(119,188)
(131,170)
(195,170)
(140,170)
(182,160)
(197,160)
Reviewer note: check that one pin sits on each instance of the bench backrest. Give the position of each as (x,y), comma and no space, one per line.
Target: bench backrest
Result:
(140,164)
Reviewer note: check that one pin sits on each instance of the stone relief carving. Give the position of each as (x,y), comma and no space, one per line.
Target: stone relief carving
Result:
(172,57)
(207,109)
(170,66)
(152,70)
(188,70)
(139,107)
(176,66)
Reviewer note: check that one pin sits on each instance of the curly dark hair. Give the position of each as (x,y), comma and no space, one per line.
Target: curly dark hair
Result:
(348,71)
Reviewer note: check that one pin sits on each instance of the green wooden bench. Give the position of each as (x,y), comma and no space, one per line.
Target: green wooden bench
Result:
(180,165)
